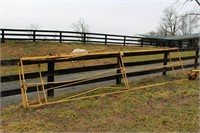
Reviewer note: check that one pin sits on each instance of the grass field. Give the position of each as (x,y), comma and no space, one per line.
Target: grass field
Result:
(169,108)
(18,49)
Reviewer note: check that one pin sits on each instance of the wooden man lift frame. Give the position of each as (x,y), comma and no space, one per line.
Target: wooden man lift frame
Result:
(44,100)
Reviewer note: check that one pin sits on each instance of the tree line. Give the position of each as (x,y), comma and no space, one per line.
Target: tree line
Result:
(172,23)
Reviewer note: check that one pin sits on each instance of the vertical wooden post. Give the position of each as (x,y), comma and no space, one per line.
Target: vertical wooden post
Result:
(142,42)
(124,41)
(196,57)
(180,44)
(151,43)
(50,78)
(169,45)
(2,36)
(190,43)
(164,43)
(84,37)
(60,37)
(165,63)
(157,43)
(119,77)
(105,39)
(33,35)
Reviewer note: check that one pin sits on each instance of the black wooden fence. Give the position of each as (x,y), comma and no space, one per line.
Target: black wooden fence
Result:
(71,36)
(51,72)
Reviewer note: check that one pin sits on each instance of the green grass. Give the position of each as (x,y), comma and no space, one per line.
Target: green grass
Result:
(169,108)
(18,49)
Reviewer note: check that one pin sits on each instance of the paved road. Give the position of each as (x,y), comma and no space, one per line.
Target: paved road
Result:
(17,98)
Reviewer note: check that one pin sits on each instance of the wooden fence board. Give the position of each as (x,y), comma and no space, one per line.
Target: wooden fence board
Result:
(86,69)
(146,72)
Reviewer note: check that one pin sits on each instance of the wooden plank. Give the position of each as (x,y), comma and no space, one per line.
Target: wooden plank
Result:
(100,55)
(95,41)
(12,62)
(60,37)
(34,37)
(86,69)
(165,62)
(124,41)
(196,57)
(18,34)
(50,78)
(119,76)
(114,42)
(106,39)
(158,70)
(2,36)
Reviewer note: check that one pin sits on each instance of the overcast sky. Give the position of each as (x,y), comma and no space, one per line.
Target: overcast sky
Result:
(127,17)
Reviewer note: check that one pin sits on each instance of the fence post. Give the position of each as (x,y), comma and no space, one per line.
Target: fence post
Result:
(118,77)
(180,44)
(196,57)
(151,43)
(142,42)
(84,37)
(169,45)
(105,39)
(157,43)
(2,34)
(163,43)
(60,37)
(124,41)
(33,35)
(165,63)
(50,78)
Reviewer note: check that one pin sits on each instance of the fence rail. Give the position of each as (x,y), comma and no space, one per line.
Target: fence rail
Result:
(51,72)
(71,36)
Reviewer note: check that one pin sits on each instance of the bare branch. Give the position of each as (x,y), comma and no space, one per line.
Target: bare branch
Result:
(197,2)
(186,1)
(80,26)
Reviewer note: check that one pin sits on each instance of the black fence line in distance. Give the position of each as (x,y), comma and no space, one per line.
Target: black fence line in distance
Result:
(68,36)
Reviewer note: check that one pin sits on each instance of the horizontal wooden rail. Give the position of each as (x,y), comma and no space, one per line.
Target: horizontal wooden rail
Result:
(53,59)
(15,61)
(88,68)
(17,91)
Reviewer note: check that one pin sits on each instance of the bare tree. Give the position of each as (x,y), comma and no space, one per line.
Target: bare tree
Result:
(152,33)
(169,22)
(173,24)
(186,1)
(32,27)
(82,27)
(189,23)
(198,2)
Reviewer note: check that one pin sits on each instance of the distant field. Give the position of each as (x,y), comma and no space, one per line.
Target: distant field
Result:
(170,108)
(18,49)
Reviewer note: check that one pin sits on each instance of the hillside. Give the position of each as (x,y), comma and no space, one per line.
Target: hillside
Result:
(18,49)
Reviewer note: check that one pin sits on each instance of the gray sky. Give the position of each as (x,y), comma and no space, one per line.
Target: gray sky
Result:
(103,16)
